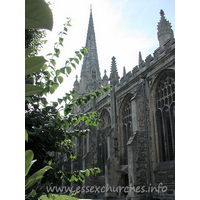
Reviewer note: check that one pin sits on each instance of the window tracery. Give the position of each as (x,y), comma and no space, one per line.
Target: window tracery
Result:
(165,116)
(127,127)
(102,140)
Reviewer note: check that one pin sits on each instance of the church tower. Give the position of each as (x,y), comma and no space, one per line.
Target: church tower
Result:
(90,73)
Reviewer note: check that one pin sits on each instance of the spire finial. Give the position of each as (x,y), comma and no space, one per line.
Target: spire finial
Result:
(105,71)
(162,14)
(76,77)
(90,8)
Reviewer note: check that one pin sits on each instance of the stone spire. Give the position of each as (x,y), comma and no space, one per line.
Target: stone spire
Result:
(114,78)
(90,73)
(164,29)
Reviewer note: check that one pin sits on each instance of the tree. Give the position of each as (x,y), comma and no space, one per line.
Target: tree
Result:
(47,132)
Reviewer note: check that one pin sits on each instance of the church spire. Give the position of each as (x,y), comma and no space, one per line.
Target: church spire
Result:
(164,29)
(90,73)
(114,78)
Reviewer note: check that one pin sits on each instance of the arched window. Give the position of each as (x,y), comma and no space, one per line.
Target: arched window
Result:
(105,127)
(165,116)
(127,127)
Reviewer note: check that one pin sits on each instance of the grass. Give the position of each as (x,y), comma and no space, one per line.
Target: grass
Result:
(57,197)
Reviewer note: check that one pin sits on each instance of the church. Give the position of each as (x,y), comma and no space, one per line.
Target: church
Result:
(134,146)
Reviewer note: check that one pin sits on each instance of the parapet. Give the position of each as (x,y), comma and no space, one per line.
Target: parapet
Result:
(150,60)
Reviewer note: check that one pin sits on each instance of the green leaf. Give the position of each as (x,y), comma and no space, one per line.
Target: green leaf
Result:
(67,61)
(60,101)
(79,56)
(55,104)
(44,67)
(26,135)
(51,90)
(27,52)
(32,89)
(73,65)
(49,54)
(50,162)
(76,60)
(33,64)
(35,177)
(55,85)
(60,79)
(57,72)
(87,172)
(48,74)
(61,40)
(53,62)
(69,69)
(110,87)
(57,52)
(55,79)
(65,29)
(38,15)
(62,70)
(92,171)
(28,158)
(44,101)
(67,124)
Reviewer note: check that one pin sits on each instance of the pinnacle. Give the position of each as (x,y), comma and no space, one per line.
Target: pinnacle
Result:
(124,71)
(164,29)
(105,75)
(140,57)
(114,74)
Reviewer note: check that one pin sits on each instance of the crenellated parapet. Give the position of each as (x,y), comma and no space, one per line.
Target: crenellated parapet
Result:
(147,65)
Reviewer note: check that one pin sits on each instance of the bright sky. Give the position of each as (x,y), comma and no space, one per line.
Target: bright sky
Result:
(122,29)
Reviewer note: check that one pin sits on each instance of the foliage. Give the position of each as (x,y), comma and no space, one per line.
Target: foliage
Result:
(34,39)
(49,134)
(57,197)
(33,179)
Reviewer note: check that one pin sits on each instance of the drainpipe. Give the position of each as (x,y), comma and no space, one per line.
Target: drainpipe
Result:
(147,142)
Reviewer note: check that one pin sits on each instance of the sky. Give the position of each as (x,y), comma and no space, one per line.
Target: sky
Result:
(122,29)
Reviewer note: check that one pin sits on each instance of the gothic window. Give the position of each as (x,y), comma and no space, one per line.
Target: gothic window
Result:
(165,116)
(102,140)
(127,127)
(82,142)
